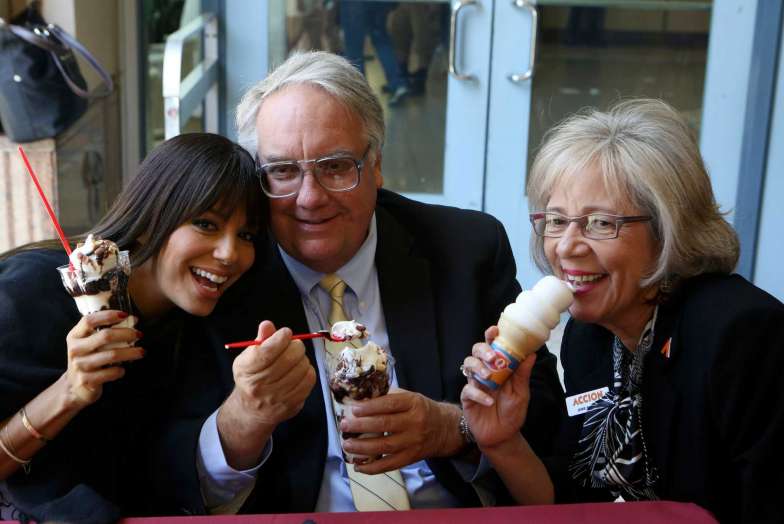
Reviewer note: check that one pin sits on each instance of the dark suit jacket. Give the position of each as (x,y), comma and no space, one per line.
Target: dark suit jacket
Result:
(444,275)
(713,412)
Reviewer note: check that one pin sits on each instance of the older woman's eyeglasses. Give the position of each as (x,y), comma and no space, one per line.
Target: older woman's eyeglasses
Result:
(334,173)
(597,226)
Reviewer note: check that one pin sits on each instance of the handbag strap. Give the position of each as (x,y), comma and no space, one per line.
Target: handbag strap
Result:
(33,38)
(73,43)
(61,43)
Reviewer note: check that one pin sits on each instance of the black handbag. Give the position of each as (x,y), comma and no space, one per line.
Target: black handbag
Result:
(42,91)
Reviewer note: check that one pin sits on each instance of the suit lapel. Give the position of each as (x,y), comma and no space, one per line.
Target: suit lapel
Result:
(660,397)
(409,309)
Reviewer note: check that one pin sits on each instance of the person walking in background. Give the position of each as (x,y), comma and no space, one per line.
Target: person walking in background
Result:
(310,24)
(416,31)
(359,18)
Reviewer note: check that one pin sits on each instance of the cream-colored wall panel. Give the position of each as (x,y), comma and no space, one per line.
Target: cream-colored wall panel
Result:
(96,29)
(94,24)
(60,12)
(23,217)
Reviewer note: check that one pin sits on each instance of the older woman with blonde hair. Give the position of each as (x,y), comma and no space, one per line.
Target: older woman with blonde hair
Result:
(683,355)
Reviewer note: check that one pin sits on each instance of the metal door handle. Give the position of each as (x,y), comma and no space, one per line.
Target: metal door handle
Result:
(456,7)
(528,6)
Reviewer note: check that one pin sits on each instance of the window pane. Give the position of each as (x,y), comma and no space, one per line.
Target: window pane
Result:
(397,45)
(593,56)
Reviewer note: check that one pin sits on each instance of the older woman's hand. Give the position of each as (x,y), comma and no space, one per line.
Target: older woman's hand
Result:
(495,416)
(90,363)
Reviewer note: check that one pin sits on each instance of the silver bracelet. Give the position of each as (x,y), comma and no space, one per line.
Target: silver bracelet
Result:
(465,431)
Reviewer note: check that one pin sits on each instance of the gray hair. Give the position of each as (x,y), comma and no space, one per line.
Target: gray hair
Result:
(647,155)
(330,72)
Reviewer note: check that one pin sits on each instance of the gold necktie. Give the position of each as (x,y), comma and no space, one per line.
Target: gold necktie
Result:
(382,492)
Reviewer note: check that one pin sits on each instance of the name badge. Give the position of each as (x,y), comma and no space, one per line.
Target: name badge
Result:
(579,404)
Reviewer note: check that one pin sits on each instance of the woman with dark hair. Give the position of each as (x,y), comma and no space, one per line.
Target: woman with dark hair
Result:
(189,220)
(671,363)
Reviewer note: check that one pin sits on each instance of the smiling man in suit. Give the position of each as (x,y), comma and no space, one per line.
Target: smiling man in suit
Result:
(426,280)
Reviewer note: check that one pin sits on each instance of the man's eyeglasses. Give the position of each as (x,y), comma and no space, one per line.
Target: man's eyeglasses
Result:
(597,226)
(333,173)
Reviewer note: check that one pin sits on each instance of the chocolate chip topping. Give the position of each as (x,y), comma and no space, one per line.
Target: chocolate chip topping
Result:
(371,384)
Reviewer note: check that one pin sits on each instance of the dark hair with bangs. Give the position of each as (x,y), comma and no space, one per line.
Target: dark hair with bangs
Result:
(180,179)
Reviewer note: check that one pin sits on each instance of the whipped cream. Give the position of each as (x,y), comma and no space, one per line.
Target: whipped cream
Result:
(95,257)
(97,279)
(362,360)
(347,330)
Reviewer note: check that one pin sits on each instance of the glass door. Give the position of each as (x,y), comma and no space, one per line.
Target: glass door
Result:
(429,63)
(554,57)
(182,29)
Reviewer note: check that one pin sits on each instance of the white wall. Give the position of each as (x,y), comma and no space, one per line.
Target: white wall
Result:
(724,118)
(726,90)
(247,52)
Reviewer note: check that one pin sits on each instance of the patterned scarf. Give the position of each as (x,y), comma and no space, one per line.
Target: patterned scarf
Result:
(611,451)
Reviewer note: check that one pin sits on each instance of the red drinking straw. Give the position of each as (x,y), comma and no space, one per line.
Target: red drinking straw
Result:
(49,210)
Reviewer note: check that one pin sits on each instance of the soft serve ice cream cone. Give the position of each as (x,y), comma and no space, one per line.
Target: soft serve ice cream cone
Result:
(525,325)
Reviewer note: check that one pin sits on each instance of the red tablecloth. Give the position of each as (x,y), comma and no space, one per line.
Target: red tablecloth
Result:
(610,513)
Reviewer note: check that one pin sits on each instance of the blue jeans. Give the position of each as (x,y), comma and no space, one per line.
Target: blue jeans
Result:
(358,18)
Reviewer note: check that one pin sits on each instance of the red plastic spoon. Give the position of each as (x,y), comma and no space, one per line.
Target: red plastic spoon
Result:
(322,333)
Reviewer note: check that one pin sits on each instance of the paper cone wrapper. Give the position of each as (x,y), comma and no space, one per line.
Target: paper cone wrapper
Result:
(511,347)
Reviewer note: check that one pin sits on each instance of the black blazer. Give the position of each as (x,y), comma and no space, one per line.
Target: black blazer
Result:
(713,412)
(444,275)
(90,471)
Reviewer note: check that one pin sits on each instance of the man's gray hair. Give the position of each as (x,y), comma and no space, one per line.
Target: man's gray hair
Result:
(648,156)
(330,72)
